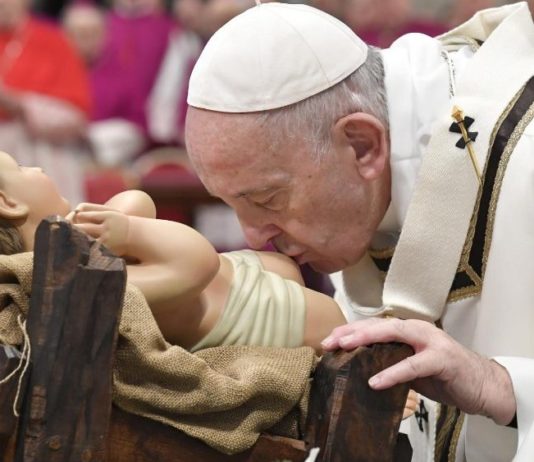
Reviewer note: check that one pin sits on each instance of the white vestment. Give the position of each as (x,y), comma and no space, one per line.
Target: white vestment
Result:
(490,307)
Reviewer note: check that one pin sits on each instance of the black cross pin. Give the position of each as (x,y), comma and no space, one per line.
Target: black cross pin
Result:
(421,415)
(461,125)
(471,136)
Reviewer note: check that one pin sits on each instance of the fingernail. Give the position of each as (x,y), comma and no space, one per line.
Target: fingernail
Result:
(374,381)
(327,342)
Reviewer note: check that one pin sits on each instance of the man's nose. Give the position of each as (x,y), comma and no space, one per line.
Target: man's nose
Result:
(258,237)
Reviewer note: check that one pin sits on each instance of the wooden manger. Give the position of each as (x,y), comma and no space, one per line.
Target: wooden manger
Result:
(66,407)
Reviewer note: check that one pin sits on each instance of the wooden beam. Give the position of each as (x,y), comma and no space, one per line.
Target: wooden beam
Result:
(9,360)
(76,297)
(137,439)
(77,294)
(347,419)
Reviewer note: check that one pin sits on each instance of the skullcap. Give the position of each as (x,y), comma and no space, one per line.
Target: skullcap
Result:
(273,55)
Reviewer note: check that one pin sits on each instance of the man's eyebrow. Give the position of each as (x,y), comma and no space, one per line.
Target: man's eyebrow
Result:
(277,182)
(252,192)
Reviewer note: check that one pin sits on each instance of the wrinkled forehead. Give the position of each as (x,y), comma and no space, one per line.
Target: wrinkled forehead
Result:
(215,138)
(233,152)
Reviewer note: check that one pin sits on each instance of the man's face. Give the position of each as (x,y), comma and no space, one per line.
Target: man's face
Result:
(321,213)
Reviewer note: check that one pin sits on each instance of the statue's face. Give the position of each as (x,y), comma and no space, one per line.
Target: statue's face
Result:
(31,187)
(319,213)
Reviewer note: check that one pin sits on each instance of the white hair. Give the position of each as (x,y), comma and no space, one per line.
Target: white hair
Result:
(312,119)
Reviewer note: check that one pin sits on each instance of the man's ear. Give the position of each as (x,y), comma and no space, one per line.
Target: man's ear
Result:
(367,137)
(11,209)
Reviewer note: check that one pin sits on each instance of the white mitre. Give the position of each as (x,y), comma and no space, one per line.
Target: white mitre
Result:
(273,55)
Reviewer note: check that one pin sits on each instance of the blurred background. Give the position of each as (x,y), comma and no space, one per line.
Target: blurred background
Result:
(94,91)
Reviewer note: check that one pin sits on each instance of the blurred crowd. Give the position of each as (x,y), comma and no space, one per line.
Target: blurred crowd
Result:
(88,87)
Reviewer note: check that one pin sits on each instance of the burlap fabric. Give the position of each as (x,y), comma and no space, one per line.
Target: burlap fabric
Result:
(225,396)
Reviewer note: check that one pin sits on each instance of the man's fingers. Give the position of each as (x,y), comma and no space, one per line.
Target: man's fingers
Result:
(418,366)
(332,341)
(413,332)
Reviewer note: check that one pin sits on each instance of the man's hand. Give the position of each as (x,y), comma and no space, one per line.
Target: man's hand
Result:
(441,368)
(110,227)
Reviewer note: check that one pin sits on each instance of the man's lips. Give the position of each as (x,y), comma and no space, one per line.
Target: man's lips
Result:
(300,258)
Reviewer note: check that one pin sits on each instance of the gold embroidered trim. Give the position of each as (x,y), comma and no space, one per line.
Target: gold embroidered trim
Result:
(458,41)
(382,253)
(464,266)
(456,437)
(445,430)
(475,287)
(473,44)
(503,163)
(448,434)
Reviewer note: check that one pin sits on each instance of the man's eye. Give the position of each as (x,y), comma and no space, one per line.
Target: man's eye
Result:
(273,203)
(265,202)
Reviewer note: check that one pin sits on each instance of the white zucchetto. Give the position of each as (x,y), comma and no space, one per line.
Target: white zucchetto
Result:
(273,55)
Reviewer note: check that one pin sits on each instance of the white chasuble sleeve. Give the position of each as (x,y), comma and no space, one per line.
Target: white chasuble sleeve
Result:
(521,371)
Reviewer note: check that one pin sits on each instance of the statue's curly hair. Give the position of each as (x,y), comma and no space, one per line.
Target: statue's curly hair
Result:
(10,238)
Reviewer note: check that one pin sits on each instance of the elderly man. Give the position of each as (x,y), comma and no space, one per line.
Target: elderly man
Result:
(415,161)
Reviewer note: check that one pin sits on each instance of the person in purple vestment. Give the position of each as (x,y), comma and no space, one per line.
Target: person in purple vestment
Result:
(462,10)
(381,23)
(135,37)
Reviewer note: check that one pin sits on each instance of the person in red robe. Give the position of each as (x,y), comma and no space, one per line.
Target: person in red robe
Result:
(44,96)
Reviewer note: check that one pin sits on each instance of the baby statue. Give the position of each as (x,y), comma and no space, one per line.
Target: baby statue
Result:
(199,298)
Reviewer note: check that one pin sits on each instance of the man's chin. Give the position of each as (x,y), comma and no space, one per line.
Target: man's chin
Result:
(323,266)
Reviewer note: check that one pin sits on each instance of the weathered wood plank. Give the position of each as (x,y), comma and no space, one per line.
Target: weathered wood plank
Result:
(341,403)
(9,359)
(72,324)
(137,439)
(348,419)
(77,293)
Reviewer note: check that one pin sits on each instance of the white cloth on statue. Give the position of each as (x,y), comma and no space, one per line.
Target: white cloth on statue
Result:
(498,321)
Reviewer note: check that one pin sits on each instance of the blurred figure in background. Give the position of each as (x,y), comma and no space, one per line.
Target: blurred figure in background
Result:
(462,10)
(381,23)
(208,15)
(44,97)
(124,50)
(167,104)
(195,20)
(85,26)
(112,134)
(334,7)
